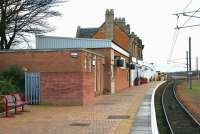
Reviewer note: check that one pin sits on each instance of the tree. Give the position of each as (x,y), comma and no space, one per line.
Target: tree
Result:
(16,76)
(20,18)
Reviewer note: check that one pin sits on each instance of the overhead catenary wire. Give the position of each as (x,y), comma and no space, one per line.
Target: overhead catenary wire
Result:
(177,62)
(174,39)
(181,59)
(187,5)
(176,32)
(180,64)
(190,17)
(188,12)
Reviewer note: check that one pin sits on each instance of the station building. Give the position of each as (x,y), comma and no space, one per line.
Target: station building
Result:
(72,71)
(113,40)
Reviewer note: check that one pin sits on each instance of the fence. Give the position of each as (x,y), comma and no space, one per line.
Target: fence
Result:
(32,87)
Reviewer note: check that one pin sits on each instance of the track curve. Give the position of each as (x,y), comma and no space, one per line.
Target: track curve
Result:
(178,119)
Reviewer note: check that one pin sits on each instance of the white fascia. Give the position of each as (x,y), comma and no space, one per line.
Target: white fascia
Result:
(119,49)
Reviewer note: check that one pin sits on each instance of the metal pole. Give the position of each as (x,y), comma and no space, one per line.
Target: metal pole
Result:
(137,68)
(129,70)
(187,67)
(137,73)
(130,62)
(190,66)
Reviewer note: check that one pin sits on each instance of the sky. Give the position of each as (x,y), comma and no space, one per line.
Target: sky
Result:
(152,20)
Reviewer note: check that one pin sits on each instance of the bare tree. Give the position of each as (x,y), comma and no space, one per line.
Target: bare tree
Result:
(20,18)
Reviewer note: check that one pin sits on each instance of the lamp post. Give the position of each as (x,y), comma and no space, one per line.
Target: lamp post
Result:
(130,61)
(154,70)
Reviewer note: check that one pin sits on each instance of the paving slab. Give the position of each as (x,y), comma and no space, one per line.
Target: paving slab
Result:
(91,119)
(142,124)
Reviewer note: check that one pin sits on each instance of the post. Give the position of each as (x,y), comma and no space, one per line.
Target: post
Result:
(137,73)
(190,66)
(129,70)
(130,61)
(187,73)
(137,68)
(197,65)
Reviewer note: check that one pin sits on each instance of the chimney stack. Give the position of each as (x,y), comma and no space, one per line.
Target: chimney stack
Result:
(78,32)
(109,16)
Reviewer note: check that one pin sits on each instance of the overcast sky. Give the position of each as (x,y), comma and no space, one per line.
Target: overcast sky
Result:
(151,20)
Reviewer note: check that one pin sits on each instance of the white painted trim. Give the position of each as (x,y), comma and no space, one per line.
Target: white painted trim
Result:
(119,49)
(154,126)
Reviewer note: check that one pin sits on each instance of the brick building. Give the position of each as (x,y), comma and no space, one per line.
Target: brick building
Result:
(116,77)
(69,77)
(116,30)
(113,40)
(74,70)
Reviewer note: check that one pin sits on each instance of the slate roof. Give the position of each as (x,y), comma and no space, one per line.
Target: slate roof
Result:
(87,32)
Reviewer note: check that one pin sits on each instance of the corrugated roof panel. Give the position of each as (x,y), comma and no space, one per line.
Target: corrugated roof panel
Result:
(47,42)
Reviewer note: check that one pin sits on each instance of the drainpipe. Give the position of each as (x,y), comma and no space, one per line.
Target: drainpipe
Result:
(137,67)
(129,72)
(130,61)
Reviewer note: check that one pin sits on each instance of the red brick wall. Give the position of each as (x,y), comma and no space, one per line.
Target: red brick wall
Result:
(121,75)
(121,38)
(99,35)
(67,88)
(64,80)
(88,88)
(121,79)
(54,61)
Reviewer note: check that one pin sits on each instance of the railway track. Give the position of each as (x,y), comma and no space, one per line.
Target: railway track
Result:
(178,118)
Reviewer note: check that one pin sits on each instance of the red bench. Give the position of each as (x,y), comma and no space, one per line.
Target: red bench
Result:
(19,102)
(14,100)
